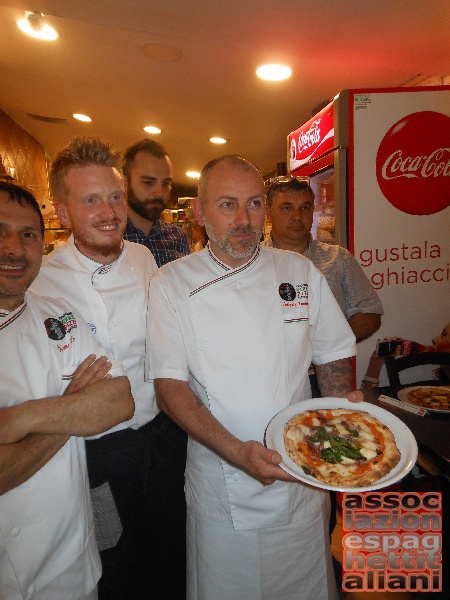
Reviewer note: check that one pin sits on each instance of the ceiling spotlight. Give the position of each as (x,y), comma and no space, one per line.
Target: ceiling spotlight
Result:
(274,72)
(151,129)
(218,140)
(194,174)
(80,117)
(34,24)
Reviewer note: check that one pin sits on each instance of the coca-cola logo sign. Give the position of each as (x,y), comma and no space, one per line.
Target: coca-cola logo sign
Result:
(413,163)
(313,139)
(306,140)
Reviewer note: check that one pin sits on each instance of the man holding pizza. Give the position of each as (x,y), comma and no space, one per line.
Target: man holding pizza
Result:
(232,333)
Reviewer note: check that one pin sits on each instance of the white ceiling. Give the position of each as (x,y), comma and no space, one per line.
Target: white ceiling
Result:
(99,67)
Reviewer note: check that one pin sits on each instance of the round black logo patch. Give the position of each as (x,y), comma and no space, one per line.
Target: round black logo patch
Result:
(287,292)
(55,329)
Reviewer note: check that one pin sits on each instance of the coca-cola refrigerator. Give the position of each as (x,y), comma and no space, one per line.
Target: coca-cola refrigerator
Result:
(379,163)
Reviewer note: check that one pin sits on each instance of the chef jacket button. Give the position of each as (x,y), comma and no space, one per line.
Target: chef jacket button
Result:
(15,531)
(236,477)
(113,323)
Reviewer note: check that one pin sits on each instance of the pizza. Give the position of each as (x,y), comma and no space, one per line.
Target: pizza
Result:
(436,398)
(341,447)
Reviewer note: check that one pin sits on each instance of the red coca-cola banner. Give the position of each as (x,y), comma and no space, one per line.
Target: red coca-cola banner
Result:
(413,163)
(313,139)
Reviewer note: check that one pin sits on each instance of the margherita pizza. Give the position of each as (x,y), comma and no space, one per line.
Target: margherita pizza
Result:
(435,398)
(341,447)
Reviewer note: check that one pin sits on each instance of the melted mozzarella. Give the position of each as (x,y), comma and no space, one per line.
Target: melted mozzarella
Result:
(368,452)
(294,434)
(369,444)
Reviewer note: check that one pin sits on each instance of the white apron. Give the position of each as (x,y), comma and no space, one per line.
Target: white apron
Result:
(244,340)
(253,364)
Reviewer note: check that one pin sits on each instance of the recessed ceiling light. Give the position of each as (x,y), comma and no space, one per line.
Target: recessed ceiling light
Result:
(34,24)
(274,72)
(218,140)
(80,117)
(195,174)
(151,129)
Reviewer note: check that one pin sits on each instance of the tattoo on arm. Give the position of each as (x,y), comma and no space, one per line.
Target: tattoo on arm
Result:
(335,378)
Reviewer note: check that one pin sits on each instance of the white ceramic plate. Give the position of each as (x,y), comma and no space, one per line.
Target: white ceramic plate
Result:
(403,396)
(404,439)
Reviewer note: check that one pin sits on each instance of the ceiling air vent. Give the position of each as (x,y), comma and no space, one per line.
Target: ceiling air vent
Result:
(53,120)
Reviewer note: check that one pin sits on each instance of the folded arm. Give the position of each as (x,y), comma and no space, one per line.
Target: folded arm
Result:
(21,460)
(92,410)
(32,432)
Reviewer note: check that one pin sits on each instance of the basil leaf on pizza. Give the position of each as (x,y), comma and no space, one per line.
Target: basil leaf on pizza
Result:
(341,447)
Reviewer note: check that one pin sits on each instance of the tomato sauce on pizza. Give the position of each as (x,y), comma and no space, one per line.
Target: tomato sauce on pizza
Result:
(341,447)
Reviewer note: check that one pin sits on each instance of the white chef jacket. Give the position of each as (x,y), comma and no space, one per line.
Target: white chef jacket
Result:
(47,542)
(244,339)
(113,300)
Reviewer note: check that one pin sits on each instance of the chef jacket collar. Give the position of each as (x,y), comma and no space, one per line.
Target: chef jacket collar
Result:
(94,266)
(227,267)
(7,317)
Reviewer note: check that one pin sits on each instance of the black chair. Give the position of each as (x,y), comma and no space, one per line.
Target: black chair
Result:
(395,365)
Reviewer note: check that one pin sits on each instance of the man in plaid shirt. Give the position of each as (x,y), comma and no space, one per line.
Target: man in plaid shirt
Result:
(148,174)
